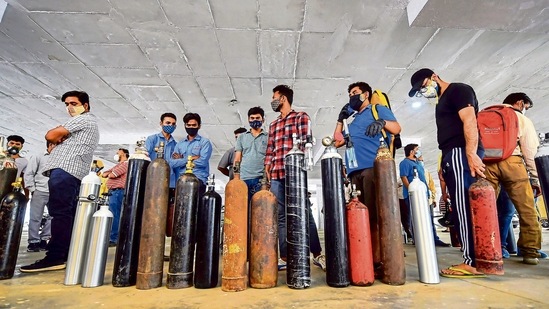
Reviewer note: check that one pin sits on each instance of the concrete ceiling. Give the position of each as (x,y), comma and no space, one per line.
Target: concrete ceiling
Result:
(138,59)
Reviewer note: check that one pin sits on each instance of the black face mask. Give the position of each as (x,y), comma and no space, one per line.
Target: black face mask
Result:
(192,131)
(355,102)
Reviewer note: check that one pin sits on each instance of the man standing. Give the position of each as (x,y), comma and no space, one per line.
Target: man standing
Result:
(225,165)
(365,132)
(116,182)
(37,184)
(279,143)
(69,162)
(250,150)
(199,147)
(458,139)
(15,144)
(168,125)
(406,167)
(518,176)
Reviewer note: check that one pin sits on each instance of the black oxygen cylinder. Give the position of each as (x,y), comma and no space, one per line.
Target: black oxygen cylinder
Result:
(8,176)
(180,269)
(12,215)
(298,272)
(335,226)
(127,250)
(208,225)
(542,167)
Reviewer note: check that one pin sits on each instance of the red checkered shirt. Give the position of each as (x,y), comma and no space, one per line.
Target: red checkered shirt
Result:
(119,171)
(280,140)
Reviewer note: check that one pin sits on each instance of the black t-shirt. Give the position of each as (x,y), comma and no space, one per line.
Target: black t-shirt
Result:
(449,126)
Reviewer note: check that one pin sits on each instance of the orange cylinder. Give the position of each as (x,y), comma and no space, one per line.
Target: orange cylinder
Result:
(361,261)
(482,198)
(391,246)
(235,236)
(264,240)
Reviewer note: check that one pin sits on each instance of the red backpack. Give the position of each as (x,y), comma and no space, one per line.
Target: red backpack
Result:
(499,129)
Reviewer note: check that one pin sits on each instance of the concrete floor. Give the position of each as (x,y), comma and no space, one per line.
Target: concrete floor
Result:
(522,286)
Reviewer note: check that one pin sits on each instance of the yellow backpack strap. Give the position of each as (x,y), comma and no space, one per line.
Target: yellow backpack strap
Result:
(375,114)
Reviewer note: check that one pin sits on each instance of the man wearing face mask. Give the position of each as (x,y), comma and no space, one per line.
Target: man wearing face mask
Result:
(199,147)
(279,143)
(225,165)
(116,182)
(69,162)
(518,176)
(458,139)
(406,168)
(15,144)
(365,132)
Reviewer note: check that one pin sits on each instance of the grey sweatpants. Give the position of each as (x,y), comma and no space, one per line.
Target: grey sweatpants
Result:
(38,201)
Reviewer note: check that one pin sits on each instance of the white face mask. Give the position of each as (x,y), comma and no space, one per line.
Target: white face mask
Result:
(430,91)
(116,158)
(75,110)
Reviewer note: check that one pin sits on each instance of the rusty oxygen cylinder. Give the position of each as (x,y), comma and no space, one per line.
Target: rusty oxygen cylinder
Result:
(93,270)
(235,236)
(423,232)
(482,198)
(150,266)
(127,250)
(361,260)
(12,215)
(335,227)
(391,246)
(87,205)
(180,269)
(298,271)
(208,226)
(264,239)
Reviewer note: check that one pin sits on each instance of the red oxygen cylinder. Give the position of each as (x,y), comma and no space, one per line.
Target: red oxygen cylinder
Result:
(361,260)
(482,198)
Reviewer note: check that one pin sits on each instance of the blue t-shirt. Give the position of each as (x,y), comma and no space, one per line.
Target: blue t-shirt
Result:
(365,146)
(406,168)
(199,146)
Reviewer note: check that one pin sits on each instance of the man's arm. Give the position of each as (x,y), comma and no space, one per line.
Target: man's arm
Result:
(470,130)
(224,163)
(30,173)
(392,127)
(529,142)
(405,181)
(57,135)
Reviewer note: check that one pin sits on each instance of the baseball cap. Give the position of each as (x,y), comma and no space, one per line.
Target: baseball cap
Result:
(417,80)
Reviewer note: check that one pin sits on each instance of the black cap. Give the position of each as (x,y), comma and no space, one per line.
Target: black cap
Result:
(417,80)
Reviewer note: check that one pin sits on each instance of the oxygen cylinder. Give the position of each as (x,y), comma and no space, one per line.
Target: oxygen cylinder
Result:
(98,246)
(264,239)
(335,229)
(12,215)
(298,271)
(208,226)
(87,205)
(391,246)
(361,260)
(8,176)
(150,266)
(127,249)
(423,232)
(482,198)
(235,237)
(542,167)
(180,269)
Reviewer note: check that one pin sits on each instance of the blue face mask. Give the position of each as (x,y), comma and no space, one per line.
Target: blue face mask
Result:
(256,124)
(168,129)
(418,154)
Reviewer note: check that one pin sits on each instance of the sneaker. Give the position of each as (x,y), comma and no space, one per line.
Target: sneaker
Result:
(320,261)
(440,243)
(504,253)
(33,247)
(281,264)
(543,255)
(43,265)
(43,245)
(530,261)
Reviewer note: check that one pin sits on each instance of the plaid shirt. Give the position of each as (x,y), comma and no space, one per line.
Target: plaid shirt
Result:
(75,154)
(280,140)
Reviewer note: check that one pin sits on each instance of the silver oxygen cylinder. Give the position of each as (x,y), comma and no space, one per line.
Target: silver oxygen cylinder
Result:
(94,265)
(87,205)
(423,232)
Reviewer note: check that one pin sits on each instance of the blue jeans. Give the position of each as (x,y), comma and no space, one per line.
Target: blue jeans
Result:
(506,209)
(279,190)
(115,205)
(62,203)
(254,185)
